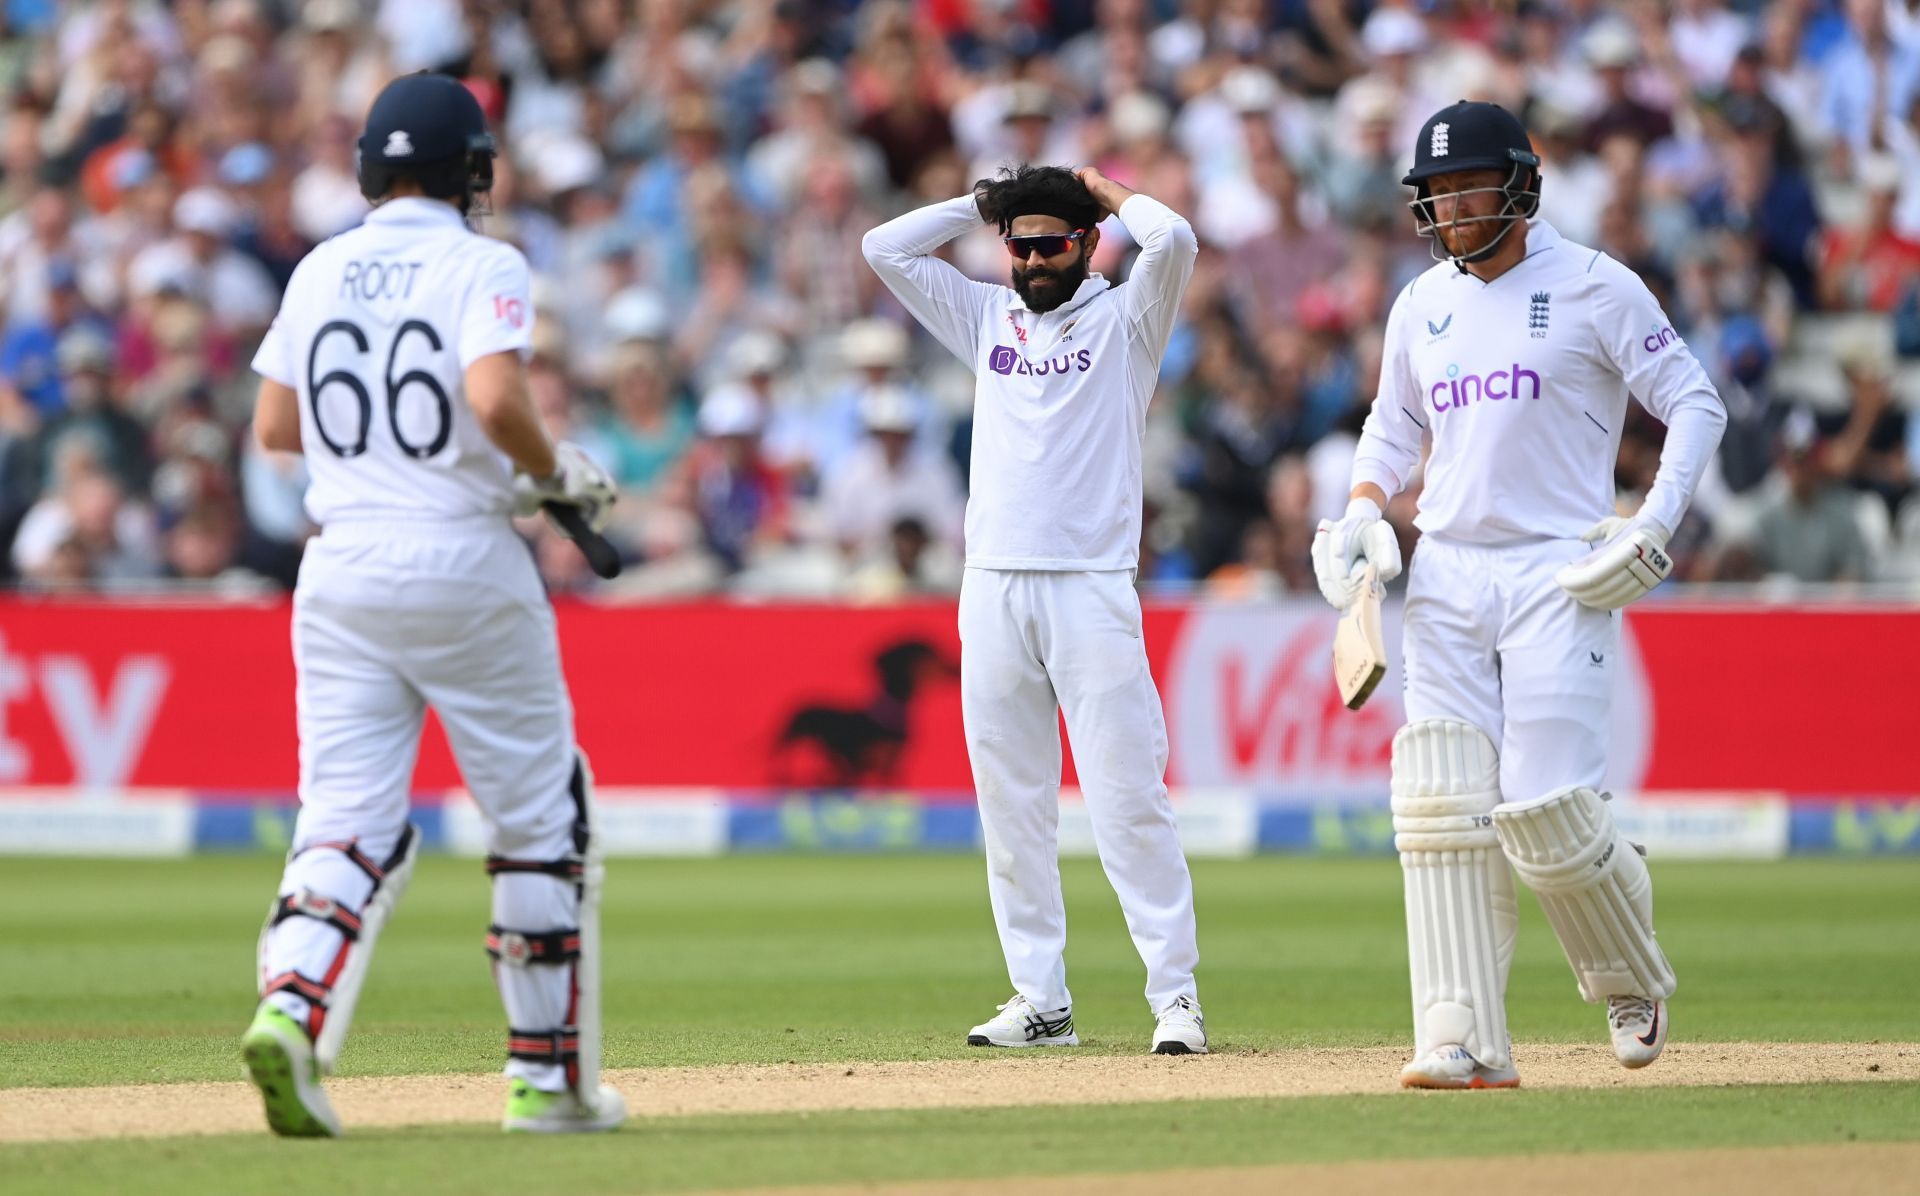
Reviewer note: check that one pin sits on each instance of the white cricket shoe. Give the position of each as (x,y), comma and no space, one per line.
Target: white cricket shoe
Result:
(531,1111)
(1019,1024)
(1639,1026)
(1452,1066)
(1182,1031)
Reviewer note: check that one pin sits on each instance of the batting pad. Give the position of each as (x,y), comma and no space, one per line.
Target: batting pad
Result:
(1461,914)
(1594,888)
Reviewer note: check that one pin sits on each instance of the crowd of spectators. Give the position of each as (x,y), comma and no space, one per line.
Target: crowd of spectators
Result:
(691,179)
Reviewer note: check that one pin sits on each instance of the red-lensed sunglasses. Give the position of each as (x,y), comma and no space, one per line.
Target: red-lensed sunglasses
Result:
(1048,244)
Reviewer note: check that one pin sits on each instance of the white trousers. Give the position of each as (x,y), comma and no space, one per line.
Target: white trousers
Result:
(1034,645)
(389,620)
(1491,640)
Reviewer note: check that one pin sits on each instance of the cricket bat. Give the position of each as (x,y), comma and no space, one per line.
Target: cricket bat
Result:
(1359,646)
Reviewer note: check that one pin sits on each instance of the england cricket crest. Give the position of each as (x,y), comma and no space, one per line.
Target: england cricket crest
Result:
(1537,315)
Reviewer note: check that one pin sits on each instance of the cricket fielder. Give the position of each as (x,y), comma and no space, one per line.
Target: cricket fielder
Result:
(1516,355)
(1065,364)
(397,366)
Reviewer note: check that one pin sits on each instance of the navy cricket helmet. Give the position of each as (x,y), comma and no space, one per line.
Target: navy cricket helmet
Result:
(430,129)
(1473,135)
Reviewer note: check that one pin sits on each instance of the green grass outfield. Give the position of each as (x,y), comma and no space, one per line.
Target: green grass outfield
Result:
(142,971)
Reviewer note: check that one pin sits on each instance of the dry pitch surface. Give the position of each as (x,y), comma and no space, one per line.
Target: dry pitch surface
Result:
(169,1110)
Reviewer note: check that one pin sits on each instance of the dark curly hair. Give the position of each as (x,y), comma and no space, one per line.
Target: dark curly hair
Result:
(1036,191)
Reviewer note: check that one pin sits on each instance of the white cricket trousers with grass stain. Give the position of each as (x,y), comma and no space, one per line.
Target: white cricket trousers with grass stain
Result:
(1034,645)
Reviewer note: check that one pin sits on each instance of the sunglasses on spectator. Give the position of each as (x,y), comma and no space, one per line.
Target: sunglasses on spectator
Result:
(1048,244)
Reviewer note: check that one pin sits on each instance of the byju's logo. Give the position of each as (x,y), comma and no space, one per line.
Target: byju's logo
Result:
(1659,339)
(1459,390)
(1005,360)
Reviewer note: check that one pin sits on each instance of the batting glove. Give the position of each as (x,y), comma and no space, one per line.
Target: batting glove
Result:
(577,481)
(1631,560)
(1344,547)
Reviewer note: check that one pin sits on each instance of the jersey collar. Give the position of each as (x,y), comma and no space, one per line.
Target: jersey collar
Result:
(1093,284)
(415,209)
(1541,238)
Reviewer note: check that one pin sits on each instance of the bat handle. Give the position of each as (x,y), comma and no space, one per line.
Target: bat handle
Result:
(602,557)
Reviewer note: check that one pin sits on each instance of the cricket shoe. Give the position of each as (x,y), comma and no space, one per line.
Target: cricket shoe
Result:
(1019,1024)
(1182,1031)
(1452,1066)
(1639,1026)
(280,1062)
(531,1111)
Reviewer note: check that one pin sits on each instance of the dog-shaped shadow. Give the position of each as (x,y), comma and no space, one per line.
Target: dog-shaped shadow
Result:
(861,745)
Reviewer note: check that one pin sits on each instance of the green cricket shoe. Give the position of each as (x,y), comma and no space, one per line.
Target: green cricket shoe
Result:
(531,1111)
(280,1062)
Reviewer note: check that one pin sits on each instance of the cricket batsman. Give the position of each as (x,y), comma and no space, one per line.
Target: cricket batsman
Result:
(1064,364)
(396,365)
(1516,355)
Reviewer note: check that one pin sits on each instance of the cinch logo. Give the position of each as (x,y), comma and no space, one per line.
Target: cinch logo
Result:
(1004,360)
(1659,339)
(1457,391)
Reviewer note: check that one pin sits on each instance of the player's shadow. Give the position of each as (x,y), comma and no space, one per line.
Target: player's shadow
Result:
(851,747)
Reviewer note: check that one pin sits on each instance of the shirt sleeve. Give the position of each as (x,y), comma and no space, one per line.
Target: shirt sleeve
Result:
(498,311)
(1663,375)
(273,360)
(1389,448)
(947,303)
(1160,274)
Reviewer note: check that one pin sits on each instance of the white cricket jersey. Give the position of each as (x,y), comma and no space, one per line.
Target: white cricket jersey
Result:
(375,334)
(1523,383)
(1060,398)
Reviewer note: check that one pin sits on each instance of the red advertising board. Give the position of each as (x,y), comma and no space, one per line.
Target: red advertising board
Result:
(1804,701)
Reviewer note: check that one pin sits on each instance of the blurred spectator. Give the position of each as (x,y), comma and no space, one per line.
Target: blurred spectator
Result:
(201,262)
(85,530)
(1869,75)
(1613,51)
(690,182)
(740,499)
(645,432)
(887,479)
(1866,445)
(1811,531)
(913,564)
(1870,265)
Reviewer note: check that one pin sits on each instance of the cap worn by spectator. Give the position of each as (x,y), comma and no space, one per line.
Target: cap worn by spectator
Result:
(1139,116)
(1610,45)
(1028,101)
(1248,89)
(887,409)
(205,210)
(730,410)
(1392,31)
(329,16)
(754,353)
(816,77)
(637,314)
(562,164)
(83,349)
(132,168)
(873,344)
(247,164)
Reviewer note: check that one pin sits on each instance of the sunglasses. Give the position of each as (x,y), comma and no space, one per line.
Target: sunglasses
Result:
(1048,244)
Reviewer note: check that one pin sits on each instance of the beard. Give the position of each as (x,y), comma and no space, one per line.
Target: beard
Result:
(1056,286)
(1465,240)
